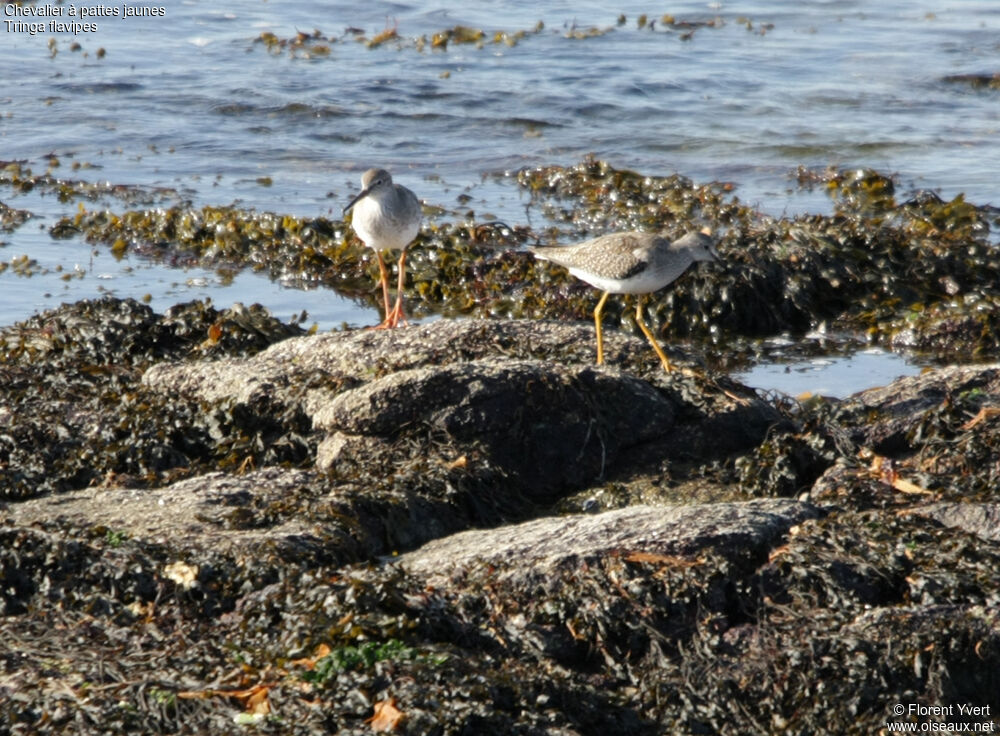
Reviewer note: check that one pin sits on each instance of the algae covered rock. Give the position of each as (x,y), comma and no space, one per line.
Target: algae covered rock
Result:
(552,427)
(935,436)
(74,412)
(219,501)
(983,520)
(248,517)
(511,398)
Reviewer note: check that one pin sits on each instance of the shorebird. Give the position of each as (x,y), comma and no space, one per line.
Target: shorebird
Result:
(630,263)
(386,217)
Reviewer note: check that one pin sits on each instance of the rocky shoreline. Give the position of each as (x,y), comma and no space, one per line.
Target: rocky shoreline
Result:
(212,521)
(215,522)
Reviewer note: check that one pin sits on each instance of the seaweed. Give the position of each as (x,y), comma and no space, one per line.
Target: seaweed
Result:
(76,413)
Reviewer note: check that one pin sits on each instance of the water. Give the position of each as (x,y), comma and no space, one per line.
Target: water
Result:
(834,377)
(191,102)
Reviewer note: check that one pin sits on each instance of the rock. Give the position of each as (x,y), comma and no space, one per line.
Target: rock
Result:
(851,484)
(451,389)
(885,418)
(311,370)
(73,411)
(222,533)
(626,583)
(339,446)
(461,424)
(533,551)
(983,520)
(259,519)
(219,513)
(923,438)
(550,426)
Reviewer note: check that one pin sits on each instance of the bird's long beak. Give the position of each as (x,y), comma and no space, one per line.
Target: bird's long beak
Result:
(361,195)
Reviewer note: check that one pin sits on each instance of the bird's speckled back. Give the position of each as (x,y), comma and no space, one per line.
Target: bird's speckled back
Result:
(631,262)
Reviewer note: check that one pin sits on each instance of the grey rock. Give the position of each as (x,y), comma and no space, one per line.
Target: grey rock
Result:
(550,425)
(534,549)
(981,519)
(219,513)
(515,391)
(311,369)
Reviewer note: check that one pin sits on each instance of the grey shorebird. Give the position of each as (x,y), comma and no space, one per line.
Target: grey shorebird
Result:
(630,263)
(386,217)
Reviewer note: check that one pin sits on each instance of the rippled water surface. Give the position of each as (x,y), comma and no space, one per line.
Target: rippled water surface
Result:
(192,102)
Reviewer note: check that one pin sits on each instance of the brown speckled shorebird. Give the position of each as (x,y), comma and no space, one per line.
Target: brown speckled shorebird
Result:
(386,217)
(630,263)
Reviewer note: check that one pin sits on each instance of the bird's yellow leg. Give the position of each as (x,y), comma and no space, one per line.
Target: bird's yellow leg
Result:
(384,280)
(667,365)
(597,323)
(397,316)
